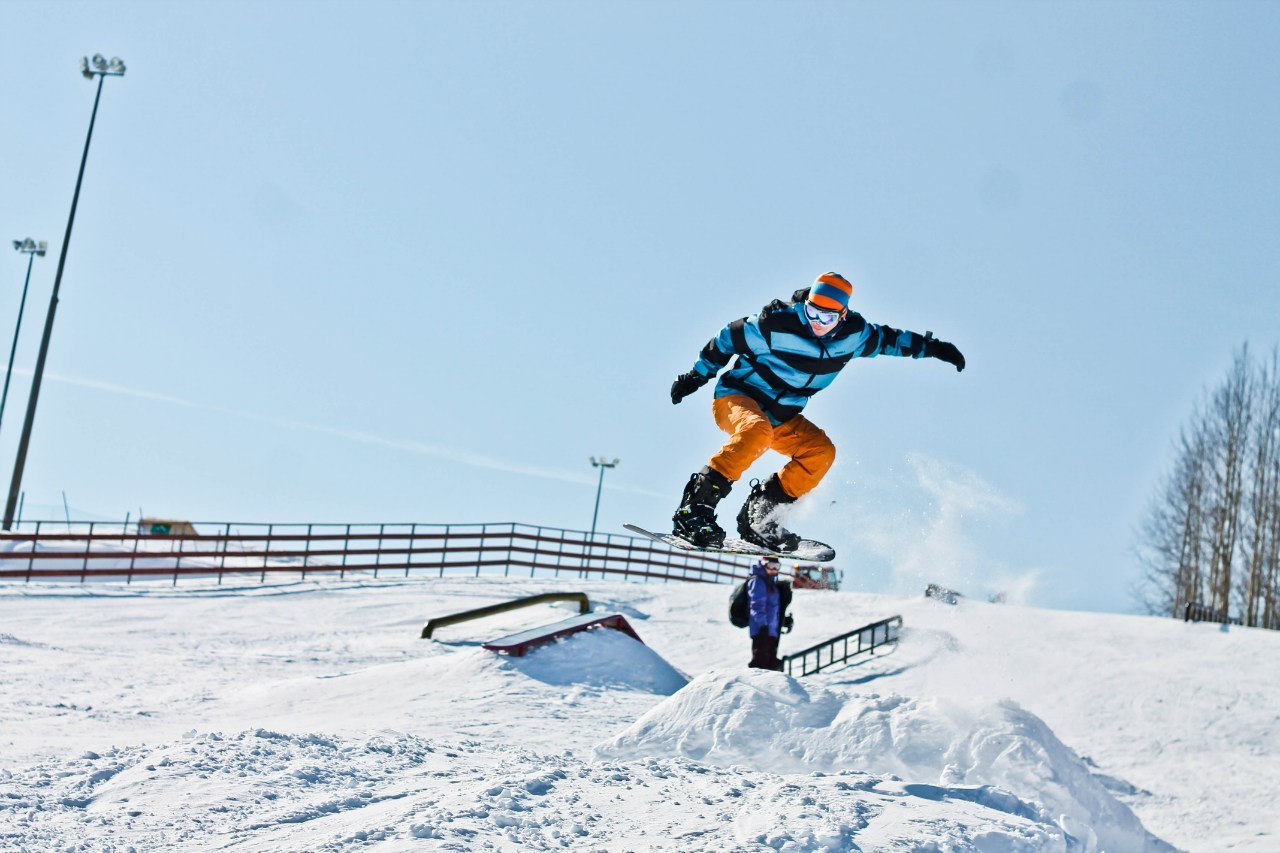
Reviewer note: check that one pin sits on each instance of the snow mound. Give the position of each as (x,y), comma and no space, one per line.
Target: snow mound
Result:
(771,722)
(267,790)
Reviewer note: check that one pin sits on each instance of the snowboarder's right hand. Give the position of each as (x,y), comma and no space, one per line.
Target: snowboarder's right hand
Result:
(686,384)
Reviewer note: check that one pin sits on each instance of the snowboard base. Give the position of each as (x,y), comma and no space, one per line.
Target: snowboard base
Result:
(810,551)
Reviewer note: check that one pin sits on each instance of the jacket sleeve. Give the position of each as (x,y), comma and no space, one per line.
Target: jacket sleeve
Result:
(879,339)
(741,337)
(761,619)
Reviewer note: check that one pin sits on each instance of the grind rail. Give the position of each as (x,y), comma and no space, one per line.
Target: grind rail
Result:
(584,606)
(37,550)
(838,650)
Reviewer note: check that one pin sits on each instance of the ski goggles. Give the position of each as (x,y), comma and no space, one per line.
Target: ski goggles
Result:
(821,316)
(770,563)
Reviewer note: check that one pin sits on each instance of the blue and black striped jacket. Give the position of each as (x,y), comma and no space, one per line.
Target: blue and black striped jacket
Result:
(781,363)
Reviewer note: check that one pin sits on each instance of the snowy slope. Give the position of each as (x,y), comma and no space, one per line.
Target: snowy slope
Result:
(309,716)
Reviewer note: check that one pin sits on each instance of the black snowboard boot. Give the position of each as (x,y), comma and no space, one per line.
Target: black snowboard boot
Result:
(758,519)
(695,520)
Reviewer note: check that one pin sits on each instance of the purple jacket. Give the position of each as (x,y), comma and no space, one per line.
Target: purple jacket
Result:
(764,602)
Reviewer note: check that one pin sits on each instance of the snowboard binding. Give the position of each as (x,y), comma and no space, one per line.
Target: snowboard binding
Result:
(758,518)
(695,520)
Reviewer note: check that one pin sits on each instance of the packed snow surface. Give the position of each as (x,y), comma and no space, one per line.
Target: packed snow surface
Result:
(309,716)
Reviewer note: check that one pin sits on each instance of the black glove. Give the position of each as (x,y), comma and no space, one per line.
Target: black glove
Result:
(943,351)
(686,384)
(787,624)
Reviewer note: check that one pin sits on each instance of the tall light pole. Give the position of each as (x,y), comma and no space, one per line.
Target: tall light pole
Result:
(90,68)
(601,464)
(32,249)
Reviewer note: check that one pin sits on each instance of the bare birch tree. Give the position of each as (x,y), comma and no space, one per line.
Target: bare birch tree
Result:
(1262,501)
(1229,415)
(1211,535)
(1173,532)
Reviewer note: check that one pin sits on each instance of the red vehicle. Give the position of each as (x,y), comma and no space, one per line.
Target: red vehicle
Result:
(806,576)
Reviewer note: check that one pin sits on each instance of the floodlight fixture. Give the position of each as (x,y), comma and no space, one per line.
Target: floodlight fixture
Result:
(100,65)
(31,247)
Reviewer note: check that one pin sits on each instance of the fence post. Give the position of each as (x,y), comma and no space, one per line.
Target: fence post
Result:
(484,528)
(346,548)
(537,550)
(444,549)
(88,546)
(222,559)
(408,557)
(266,552)
(306,553)
(511,541)
(133,557)
(31,559)
(182,546)
(559,553)
(604,558)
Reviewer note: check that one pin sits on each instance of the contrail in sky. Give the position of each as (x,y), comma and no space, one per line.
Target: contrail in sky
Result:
(463,457)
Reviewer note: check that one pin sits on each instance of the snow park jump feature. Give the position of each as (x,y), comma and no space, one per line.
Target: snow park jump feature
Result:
(519,643)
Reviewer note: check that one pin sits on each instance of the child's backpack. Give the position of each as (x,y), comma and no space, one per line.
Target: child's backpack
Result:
(739,607)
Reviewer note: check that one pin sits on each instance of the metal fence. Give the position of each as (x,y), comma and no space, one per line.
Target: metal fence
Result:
(1197,612)
(37,550)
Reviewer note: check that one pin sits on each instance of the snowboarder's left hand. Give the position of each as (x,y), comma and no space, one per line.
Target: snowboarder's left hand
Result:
(944,351)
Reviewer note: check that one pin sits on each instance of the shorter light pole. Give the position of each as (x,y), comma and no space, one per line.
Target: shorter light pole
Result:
(33,250)
(601,464)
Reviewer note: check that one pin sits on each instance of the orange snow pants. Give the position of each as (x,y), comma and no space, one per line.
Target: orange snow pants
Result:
(751,434)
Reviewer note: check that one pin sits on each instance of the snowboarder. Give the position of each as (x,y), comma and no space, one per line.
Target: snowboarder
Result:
(786,354)
(765,608)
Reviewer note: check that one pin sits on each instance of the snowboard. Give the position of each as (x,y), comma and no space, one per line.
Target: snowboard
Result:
(810,551)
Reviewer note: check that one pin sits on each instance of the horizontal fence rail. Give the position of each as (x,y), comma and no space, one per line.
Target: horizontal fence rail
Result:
(838,650)
(38,550)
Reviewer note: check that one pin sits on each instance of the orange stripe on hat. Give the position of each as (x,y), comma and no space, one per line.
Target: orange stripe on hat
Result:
(831,291)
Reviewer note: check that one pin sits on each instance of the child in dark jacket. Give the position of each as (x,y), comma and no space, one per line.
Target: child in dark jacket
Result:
(765,607)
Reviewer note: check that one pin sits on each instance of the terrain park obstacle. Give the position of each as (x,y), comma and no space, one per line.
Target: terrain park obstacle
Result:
(584,606)
(519,643)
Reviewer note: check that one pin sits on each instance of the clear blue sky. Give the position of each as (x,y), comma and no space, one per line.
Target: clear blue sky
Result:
(419,261)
